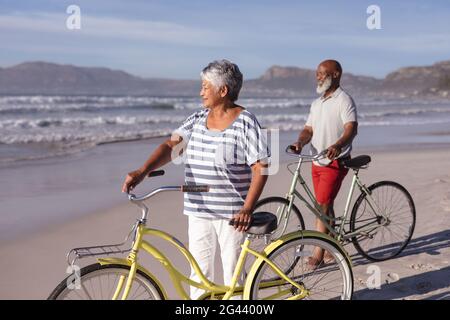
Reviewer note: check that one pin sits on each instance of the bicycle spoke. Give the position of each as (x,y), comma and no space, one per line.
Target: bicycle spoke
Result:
(392,235)
(101,288)
(101,281)
(86,291)
(321,281)
(113,287)
(92,289)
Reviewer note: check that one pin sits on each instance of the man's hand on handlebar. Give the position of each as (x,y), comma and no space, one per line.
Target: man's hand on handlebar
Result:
(296,147)
(333,151)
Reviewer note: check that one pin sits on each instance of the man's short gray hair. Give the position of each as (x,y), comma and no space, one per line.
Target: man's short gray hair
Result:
(224,73)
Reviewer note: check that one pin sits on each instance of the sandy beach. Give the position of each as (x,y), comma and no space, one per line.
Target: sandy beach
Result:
(34,264)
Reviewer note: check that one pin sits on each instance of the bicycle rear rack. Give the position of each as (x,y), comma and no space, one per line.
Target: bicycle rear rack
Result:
(83,252)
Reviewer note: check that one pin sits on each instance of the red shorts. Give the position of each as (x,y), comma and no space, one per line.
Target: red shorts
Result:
(327,181)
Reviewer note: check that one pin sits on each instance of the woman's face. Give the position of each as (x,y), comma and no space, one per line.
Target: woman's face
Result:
(211,96)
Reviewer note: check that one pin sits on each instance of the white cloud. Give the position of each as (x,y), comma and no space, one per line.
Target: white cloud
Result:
(115,28)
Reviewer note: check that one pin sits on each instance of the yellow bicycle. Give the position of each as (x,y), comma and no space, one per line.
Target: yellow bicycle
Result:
(280,271)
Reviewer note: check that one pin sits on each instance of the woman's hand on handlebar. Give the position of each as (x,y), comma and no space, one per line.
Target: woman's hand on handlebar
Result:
(132,180)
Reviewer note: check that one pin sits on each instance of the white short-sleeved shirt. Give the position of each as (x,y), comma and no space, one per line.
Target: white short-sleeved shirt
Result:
(327,118)
(222,160)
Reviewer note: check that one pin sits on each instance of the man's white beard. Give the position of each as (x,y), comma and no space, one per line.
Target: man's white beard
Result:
(325,86)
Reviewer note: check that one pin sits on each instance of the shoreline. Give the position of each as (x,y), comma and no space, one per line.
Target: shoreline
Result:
(437,135)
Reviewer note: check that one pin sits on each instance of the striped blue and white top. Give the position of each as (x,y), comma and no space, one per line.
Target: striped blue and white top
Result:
(222,160)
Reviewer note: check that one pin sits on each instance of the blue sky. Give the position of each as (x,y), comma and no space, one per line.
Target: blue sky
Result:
(176,39)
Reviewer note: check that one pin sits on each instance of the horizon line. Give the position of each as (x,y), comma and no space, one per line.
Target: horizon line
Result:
(193,79)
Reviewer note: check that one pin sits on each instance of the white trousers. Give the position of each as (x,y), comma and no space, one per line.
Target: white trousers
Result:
(204,234)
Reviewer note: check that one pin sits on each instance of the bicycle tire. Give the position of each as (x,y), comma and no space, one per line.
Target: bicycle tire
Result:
(280,200)
(382,252)
(305,242)
(62,291)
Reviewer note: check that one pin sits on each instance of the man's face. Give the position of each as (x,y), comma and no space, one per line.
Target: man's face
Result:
(321,74)
(324,79)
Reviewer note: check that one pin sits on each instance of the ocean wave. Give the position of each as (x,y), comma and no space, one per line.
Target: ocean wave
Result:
(27,104)
(99,121)
(283,126)
(61,100)
(48,108)
(125,120)
(399,102)
(404,112)
(363,115)
(64,142)
(269,118)
(95,138)
(80,122)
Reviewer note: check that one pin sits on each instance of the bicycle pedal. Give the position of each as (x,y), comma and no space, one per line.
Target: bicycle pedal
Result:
(370,236)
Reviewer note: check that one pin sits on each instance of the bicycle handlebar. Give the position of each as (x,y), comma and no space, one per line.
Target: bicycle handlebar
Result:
(194,188)
(183,188)
(289,150)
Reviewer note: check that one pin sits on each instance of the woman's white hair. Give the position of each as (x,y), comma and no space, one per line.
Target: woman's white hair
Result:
(224,73)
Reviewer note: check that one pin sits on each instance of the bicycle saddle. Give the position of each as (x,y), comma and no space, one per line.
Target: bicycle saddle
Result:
(262,223)
(357,162)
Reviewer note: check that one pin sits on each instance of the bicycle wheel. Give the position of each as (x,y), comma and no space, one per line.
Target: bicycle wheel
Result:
(99,282)
(388,237)
(278,206)
(332,280)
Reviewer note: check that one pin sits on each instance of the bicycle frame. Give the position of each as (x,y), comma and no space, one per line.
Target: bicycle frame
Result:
(340,234)
(212,289)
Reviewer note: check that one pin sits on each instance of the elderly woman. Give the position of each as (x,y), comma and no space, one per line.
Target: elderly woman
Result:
(225,149)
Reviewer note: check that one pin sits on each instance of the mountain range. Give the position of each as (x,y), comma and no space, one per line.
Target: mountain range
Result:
(35,78)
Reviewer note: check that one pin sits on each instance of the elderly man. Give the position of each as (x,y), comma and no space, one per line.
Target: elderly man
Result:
(331,125)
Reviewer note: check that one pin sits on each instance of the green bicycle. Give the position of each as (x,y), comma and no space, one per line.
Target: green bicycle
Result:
(280,271)
(381,222)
